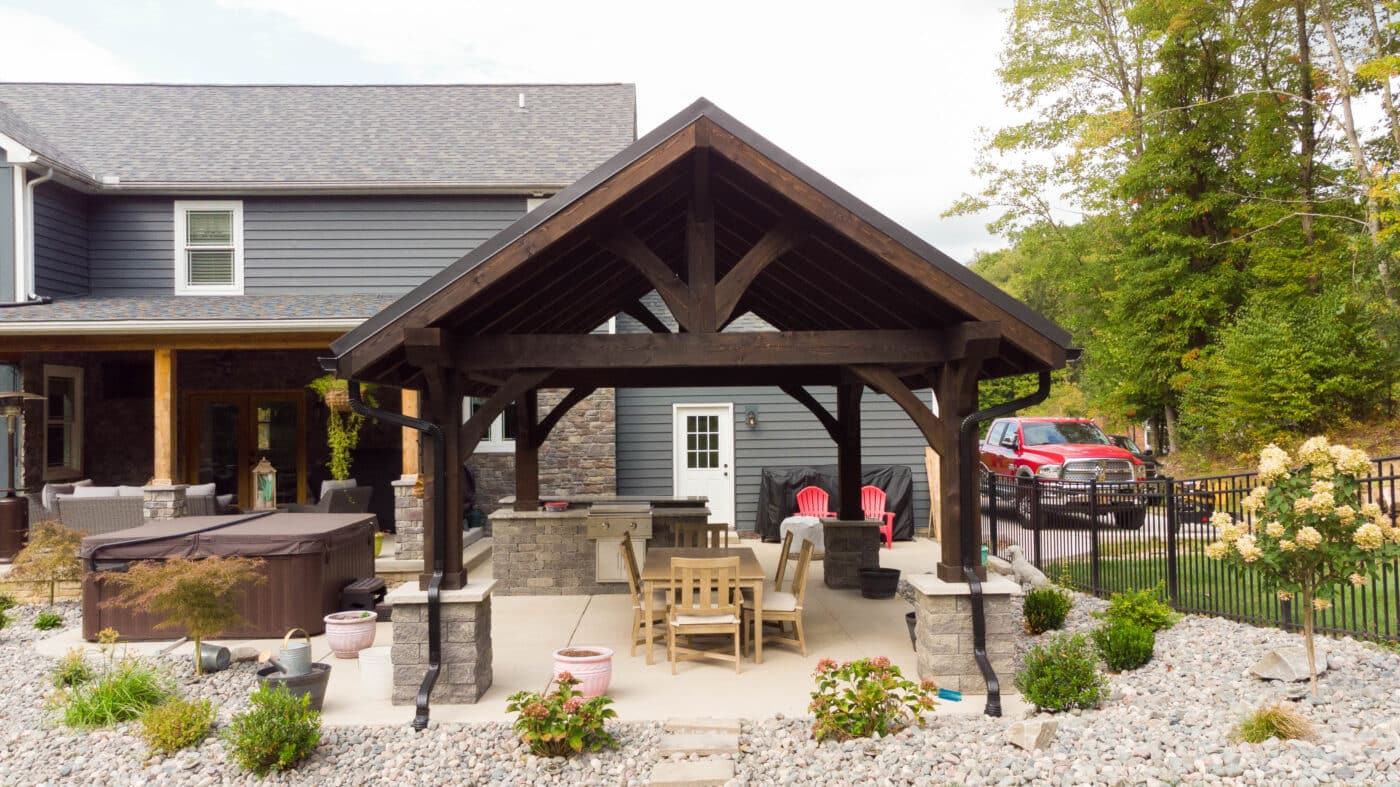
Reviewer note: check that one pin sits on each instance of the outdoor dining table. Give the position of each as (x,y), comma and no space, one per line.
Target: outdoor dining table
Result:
(656,575)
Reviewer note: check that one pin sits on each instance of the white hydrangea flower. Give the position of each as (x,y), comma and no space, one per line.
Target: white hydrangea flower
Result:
(1273,463)
(1274,529)
(1370,511)
(1345,514)
(1323,503)
(1231,532)
(1352,461)
(1309,538)
(1221,519)
(1369,537)
(1216,550)
(1315,451)
(1286,545)
(1284,595)
(1320,486)
(1358,580)
(1248,549)
(1321,603)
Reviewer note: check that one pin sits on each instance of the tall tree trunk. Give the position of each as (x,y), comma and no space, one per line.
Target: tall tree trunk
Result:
(1308,637)
(1387,99)
(1307,125)
(1169,415)
(1358,155)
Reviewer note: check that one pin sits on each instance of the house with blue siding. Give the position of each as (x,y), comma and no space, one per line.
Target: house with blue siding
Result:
(174,258)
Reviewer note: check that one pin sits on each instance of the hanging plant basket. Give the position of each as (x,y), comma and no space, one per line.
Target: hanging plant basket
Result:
(338,399)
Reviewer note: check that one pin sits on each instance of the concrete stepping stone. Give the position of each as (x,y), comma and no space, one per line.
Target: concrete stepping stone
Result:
(702,725)
(692,773)
(699,743)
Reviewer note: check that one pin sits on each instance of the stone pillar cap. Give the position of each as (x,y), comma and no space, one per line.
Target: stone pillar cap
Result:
(477,590)
(931,585)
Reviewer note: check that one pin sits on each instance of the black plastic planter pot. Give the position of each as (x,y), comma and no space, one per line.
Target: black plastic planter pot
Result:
(313,682)
(912,620)
(879,582)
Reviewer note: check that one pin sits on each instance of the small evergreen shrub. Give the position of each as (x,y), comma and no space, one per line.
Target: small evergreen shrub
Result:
(1046,609)
(276,733)
(1141,607)
(48,620)
(1062,674)
(171,726)
(1124,644)
(72,670)
(123,693)
(1280,720)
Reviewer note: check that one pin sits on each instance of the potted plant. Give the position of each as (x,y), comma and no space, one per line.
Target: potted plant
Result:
(342,424)
(348,633)
(198,597)
(590,665)
(866,698)
(562,722)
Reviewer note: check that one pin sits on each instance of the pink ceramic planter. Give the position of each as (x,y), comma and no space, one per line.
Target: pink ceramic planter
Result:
(348,633)
(594,672)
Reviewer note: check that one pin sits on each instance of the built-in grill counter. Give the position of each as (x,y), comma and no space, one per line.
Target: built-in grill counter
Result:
(573,544)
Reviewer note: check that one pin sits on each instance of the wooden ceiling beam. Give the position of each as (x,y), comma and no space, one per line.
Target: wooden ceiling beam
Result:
(775,243)
(700,239)
(824,416)
(639,312)
(632,250)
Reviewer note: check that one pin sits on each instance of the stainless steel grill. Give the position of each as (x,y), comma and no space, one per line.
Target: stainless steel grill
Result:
(1086,470)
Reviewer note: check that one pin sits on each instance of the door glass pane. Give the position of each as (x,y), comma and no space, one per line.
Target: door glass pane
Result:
(276,438)
(702,442)
(218,446)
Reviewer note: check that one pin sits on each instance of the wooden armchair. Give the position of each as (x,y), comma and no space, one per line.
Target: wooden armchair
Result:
(781,608)
(705,535)
(706,601)
(660,602)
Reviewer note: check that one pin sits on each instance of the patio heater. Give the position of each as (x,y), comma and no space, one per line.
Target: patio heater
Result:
(14,510)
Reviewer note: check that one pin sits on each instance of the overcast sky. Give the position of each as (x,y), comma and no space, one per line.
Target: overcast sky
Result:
(885,98)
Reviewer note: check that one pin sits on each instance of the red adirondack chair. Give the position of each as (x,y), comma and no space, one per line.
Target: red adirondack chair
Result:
(814,501)
(872,502)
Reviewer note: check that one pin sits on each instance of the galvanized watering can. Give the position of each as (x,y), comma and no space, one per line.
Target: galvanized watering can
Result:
(296,656)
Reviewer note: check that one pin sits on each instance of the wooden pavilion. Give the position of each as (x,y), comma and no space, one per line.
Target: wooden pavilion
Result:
(719,222)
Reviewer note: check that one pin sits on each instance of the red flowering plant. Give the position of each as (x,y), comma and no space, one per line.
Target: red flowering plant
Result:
(866,698)
(562,722)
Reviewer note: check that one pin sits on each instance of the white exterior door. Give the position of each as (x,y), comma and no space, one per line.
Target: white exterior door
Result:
(703,456)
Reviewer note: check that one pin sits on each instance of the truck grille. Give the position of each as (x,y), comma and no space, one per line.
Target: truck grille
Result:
(1086,470)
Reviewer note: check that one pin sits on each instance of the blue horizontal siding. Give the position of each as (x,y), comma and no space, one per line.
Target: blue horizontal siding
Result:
(60,241)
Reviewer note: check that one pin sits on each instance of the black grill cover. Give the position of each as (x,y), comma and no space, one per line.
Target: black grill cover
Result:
(777,494)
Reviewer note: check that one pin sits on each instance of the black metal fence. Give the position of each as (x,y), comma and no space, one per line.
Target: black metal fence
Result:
(1106,537)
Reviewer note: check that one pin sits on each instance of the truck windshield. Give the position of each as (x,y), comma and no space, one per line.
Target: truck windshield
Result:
(1050,434)
(1127,444)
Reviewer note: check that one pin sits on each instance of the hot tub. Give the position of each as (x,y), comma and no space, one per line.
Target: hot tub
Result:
(310,559)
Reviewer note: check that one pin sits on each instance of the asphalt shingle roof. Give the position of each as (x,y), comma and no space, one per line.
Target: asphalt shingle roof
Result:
(452,135)
(204,307)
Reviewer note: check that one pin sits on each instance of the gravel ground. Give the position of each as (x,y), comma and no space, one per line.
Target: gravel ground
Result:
(1166,723)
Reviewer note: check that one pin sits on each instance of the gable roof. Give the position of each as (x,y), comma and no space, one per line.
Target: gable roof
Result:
(547,272)
(468,137)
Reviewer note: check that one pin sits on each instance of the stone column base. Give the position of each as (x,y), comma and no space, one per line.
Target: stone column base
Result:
(165,502)
(944,638)
(850,546)
(466,642)
(408,520)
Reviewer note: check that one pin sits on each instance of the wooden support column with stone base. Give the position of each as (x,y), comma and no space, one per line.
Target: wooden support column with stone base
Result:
(444,408)
(164,418)
(466,642)
(527,452)
(943,631)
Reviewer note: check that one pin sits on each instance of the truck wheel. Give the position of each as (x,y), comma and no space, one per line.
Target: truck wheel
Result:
(1130,520)
(1025,509)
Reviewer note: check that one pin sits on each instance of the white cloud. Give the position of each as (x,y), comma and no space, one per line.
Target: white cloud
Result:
(883,98)
(39,49)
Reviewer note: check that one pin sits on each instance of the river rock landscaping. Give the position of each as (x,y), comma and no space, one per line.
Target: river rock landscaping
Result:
(1167,722)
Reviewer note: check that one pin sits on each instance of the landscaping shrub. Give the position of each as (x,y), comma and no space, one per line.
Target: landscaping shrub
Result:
(48,620)
(1062,674)
(51,556)
(1046,609)
(122,693)
(1124,644)
(7,602)
(173,725)
(1141,607)
(72,670)
(561,722)
(1280,720)
(4,619)
(198,597)
(276,733)
(865,698)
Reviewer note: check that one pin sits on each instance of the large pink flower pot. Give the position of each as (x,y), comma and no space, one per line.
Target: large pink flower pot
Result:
(348,633)
(589,664)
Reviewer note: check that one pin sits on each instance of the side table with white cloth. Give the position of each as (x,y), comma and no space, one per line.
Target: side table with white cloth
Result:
(807,528)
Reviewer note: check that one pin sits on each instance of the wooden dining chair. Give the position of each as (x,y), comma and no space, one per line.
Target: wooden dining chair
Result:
(660,598)
(781,608)
(706,601)
(779,574)
(703,535)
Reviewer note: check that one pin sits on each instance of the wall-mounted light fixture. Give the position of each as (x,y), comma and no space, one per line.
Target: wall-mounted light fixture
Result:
(751,417)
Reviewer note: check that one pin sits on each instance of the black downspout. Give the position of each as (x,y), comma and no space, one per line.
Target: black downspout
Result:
(967,488)
(434,433)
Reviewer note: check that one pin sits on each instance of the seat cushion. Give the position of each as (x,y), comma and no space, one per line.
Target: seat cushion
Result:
(130,491)
(94,491)
(200,490)
(706,620)
(776,601)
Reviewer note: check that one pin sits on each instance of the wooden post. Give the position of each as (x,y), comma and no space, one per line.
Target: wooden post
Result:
(700,246)
(848,451)
(409,406)
(166,407)
(957,398)
(527,453)
(444,406)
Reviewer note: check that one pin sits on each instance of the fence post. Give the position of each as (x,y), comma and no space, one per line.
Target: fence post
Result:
(1285,615)
(1035,521)
(993,547)
(1173,584)
(1094,536)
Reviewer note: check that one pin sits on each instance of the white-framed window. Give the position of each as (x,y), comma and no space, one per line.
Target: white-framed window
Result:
(63,421)
(501,438)
(208,247)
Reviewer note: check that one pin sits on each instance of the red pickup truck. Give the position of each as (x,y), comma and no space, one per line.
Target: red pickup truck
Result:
(1063,455)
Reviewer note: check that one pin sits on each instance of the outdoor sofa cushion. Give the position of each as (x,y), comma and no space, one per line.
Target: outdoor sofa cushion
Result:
(48,497)
(93,491)
(200,490)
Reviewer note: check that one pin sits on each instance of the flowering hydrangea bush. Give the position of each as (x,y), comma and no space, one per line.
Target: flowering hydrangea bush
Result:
(562,722)
(866,698)
(1311,534)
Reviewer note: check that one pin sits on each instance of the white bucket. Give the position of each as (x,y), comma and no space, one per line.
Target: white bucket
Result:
(376,673)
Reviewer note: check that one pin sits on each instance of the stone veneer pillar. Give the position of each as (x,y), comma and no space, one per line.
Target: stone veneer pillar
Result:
(849,547)
(466,642)
(164,501)
(943,635)
(408,520)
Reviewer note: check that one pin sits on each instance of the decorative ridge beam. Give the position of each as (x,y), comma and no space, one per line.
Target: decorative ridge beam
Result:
(700,269)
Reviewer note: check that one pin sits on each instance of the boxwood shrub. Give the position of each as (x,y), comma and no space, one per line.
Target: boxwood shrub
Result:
(1061,674)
